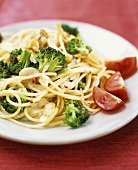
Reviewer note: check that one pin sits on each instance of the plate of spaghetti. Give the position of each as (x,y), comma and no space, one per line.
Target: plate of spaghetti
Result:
(57,83)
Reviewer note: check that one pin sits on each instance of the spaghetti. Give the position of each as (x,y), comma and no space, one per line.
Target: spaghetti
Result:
(44,92)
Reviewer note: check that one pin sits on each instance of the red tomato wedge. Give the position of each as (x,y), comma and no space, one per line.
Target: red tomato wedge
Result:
(126,66)
(105,100)
(116,86)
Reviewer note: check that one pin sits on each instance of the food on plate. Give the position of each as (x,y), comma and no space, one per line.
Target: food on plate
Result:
(71,30)
(75,113)
(75,46)
(116,86)
(53,78)
(105,100)
(126,66)
(1,38)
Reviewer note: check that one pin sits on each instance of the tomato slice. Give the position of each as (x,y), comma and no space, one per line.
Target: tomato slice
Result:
(126,66)
(105,100)
(116,86)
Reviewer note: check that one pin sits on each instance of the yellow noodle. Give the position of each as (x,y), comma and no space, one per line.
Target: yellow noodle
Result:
(44,92)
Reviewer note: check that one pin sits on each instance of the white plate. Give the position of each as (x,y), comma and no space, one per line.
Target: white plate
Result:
(109,45)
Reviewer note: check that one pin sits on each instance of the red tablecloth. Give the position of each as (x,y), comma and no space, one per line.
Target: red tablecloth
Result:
(118,150)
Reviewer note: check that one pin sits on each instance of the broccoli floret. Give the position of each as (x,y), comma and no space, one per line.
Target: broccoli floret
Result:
(71,30)
(81,85)
(1,38)
(4,72)
(18,60)
(75,113)
(75,46)
(54,59)
(9,107)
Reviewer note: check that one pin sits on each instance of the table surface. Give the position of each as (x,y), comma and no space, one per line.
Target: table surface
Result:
(118,150)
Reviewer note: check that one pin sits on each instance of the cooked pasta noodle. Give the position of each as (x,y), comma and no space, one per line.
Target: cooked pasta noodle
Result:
(44,100)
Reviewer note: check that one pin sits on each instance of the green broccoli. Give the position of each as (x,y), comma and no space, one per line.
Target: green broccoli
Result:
(81,85)
(54,59)
(9,107)
(70,30)
(4,72)
(75,46)
(18,60)
(1,38)
(75,113)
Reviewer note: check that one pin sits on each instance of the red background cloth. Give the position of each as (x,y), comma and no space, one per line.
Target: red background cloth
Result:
(118,150)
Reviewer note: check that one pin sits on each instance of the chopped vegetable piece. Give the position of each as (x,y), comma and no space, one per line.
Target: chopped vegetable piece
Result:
(54,59)
(76,45)
(126,66)
(71,30)
(75,113)
(105,100)
(1,38)
(4,72)
(19,59)
(116,86)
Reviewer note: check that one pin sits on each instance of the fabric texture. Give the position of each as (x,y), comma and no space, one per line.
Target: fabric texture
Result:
(116,151)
